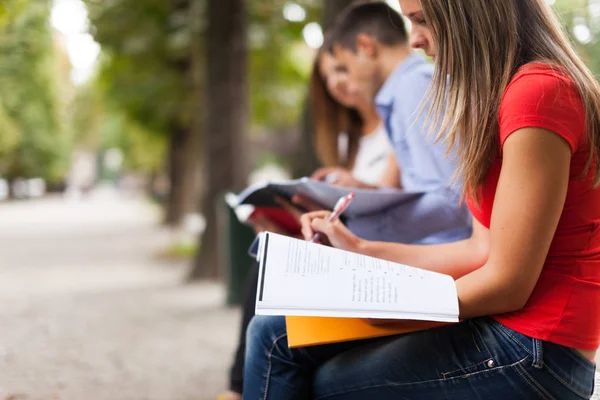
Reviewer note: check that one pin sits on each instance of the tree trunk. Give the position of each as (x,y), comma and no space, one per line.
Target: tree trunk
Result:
(182,196)
(174,206)
(305,160)
(226,105)
(184,148)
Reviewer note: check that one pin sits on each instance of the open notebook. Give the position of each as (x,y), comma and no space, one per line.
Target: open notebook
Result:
(366,201)
(303,279)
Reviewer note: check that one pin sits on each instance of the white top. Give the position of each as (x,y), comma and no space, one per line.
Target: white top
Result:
(372,156)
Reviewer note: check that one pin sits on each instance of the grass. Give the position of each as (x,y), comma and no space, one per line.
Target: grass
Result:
(179,251)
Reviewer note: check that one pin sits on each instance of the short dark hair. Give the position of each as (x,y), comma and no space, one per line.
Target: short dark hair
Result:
(373,18)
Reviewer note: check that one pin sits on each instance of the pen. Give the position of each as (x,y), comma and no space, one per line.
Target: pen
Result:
(339,208)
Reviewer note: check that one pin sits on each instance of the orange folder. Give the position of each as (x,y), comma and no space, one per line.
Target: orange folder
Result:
(311,331)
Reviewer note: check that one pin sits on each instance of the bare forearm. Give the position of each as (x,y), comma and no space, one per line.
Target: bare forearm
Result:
(485,292)
(454,259)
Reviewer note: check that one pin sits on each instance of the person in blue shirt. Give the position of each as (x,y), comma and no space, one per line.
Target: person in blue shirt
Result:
(388,72)
(369,41)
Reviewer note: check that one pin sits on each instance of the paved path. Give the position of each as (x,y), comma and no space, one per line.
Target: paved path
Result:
(89,312)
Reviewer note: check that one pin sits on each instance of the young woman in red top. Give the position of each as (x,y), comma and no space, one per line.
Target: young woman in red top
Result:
(525,113)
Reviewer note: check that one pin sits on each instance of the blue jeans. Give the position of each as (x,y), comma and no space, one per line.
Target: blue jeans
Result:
(476,359)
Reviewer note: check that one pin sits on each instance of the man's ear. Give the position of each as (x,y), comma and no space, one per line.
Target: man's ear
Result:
(366,45)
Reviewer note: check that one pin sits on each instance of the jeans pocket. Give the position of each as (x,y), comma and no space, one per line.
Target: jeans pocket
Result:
(476,356)
(581,358)
(484,365)
(570,369)
(511,341)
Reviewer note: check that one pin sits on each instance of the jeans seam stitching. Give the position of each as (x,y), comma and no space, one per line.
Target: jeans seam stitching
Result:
(517,341)
(268,377)
(465,368)
(538,357)
(428,381)
(478,333)
(533,384)
(565,384)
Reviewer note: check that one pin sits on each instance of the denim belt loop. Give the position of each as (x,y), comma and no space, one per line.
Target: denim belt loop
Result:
(538,353)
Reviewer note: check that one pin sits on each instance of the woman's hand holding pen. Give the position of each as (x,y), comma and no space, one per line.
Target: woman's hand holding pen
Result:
(336,233)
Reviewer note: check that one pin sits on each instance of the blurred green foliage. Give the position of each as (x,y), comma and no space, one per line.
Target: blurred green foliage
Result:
(280,62)
(581,18)
(34,135)
(141,89)
(144,87)
(146,65)
(146,48)
(143,84)
(145,70)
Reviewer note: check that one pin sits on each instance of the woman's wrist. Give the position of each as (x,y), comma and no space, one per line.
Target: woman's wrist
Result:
(362,246)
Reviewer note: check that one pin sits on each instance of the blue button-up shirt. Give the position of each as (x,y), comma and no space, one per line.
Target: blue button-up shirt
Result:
(437,215)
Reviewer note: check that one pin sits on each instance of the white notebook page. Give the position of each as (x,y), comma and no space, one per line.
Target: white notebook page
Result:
(302,278)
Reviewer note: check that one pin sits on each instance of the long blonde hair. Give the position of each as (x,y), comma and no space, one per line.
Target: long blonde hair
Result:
(481,45)
(330,119)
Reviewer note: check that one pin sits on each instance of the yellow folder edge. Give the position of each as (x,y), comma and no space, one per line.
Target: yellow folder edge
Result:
(312,331)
